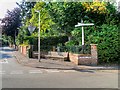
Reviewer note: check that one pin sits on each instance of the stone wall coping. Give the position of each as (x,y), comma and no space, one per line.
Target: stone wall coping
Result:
(94,44)
(82,55)
(56,52)
(24,45)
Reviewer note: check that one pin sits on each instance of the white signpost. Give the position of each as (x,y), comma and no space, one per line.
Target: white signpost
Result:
(83,24)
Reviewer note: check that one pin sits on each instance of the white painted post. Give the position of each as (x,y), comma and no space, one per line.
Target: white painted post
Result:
(82,33)
(82,25)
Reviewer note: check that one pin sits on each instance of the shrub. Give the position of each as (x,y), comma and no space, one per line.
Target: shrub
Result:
(107,39)
(106,36)
(108,44)
(46,41)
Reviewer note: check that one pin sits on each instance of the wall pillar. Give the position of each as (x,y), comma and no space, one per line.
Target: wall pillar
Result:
(94,54)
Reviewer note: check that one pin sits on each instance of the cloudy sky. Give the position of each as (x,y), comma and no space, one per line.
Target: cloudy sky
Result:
(9,4)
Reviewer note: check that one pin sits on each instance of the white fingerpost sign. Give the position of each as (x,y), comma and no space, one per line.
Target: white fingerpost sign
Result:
(82,25)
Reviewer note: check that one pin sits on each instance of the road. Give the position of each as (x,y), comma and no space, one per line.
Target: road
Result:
(14,75)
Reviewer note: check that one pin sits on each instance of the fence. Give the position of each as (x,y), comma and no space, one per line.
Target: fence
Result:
(73,49)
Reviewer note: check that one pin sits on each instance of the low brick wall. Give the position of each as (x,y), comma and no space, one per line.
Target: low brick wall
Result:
(57,55)
(53,53)
(85,59)
(78,59)
(23,50)
(42,54)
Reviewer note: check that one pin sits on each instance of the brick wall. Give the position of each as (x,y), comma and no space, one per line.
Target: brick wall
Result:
(85,59)
(23,50)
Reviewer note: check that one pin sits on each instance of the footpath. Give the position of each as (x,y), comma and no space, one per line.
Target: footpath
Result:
(56,64)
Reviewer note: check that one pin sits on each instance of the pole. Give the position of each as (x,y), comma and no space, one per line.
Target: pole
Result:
(82,33)
(39,39)
(82,37)
(15,40)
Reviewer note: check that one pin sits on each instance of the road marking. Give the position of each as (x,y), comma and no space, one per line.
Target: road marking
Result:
(51,71)
(69,71)
(35,71)
(3,61)
(2,72)
(16,72)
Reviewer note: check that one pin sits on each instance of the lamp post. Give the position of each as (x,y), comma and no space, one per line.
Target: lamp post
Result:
(38,36)
(83,24)
(38,11)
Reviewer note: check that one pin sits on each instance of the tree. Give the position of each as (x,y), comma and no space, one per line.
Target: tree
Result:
(96,11)
(25,15)
(12,22)
(113,16)
(66,15)
(45,19)
(26,12)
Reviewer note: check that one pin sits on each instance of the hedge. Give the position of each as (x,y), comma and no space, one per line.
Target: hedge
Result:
(46,41)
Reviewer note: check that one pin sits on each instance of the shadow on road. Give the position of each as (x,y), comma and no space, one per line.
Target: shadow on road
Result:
(4,52)
(7,50)
(76,69)
(5,56)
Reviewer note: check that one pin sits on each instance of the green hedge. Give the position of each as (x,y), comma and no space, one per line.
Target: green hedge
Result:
(106,36)
(54,41)
(46,41)
(108,48)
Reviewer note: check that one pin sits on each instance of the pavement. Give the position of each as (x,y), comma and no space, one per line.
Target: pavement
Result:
(57,64)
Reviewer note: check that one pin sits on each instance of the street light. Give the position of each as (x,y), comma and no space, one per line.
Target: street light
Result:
(38,11)
(38,36)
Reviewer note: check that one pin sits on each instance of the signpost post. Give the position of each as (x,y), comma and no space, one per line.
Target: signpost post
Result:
(82,25)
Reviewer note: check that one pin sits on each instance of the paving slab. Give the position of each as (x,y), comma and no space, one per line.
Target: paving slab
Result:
(56,64)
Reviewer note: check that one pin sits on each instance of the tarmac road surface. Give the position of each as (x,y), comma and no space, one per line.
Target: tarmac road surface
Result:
(15,75)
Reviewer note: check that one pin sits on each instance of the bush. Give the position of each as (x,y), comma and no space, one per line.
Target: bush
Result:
(108,44)
(107,39)
(53,40)
(71,43)
(46,41)
(106,36)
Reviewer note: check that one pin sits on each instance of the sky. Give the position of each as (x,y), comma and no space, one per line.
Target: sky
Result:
(6,5)
(9,5)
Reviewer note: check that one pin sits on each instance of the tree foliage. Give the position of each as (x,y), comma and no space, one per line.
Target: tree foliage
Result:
(12,22)
(25,15)
(26,12)
(45,20)
(66,15)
